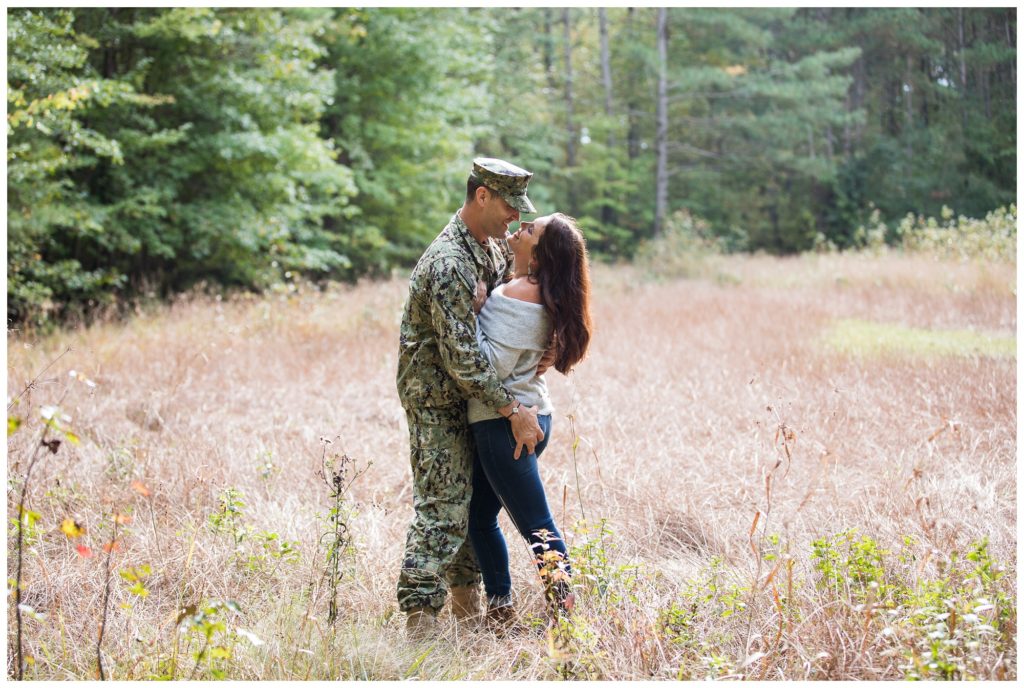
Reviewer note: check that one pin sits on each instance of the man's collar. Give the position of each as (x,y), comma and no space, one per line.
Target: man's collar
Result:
(481,252)
(487,240)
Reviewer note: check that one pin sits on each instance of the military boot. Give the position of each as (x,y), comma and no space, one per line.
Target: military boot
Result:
(501,620)
(466,603)
(420,623)
(504,622)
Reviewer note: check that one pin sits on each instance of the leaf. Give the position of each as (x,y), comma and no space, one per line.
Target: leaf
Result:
(136,573)
(13,423)
(122,519)
(139,589)
(72,528)
(140,488)
(111,546)
(84,551)
(220,653)
(753,526)
(29,517)
(72,437)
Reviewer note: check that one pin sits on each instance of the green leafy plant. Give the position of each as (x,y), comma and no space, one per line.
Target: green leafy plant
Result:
(227,518)
(268,546)
(208,624)
(851,565)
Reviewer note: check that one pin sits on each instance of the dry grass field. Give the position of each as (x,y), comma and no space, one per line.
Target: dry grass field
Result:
(793,468)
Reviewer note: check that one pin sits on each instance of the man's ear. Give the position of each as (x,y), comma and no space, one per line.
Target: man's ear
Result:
(481,194)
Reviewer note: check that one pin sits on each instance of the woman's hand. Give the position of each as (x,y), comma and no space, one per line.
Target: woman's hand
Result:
(547,359)
(481,296)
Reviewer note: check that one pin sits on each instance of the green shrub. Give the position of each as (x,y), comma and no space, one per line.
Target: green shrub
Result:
(992,238)
(684,249)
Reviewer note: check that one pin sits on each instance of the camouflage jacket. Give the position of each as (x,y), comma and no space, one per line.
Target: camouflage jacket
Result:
(439,359)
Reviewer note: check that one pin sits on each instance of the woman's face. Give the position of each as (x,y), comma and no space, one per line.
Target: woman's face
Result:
(527,236)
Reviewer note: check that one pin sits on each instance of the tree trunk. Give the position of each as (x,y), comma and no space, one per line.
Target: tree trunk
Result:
(607,213)
(926,118)
(852,133)
(570,126)
(908,91)
(963,69)
(606,72)
(978,77)
(661,142)
(1010,42)
(549,61)
(633,125)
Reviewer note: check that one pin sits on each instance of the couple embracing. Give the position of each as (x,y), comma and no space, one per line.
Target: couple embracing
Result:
(487,314)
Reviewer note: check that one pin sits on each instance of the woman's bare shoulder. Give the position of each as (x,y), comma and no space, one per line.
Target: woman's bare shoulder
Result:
(522,289)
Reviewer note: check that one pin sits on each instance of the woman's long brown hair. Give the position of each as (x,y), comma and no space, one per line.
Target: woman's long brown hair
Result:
(563,272)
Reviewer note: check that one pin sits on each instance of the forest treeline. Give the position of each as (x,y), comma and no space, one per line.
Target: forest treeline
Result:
(153,149)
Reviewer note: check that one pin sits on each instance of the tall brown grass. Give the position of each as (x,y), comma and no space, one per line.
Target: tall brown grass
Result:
(712,433)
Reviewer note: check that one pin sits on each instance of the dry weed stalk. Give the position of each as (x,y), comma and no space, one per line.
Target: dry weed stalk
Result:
(52,446)
(334,471)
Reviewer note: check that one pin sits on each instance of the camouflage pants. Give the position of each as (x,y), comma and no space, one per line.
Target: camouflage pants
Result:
(437,547)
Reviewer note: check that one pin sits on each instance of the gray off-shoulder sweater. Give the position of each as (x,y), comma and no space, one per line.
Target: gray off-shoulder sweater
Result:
(513,335)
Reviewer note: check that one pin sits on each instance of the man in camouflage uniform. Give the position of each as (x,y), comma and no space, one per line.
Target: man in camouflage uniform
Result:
(439,366)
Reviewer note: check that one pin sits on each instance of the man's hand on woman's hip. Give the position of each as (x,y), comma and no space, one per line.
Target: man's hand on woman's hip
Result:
(526,429)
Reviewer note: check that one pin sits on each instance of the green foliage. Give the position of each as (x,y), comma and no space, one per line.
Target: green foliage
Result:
(713,594)
(594,569)
(938,131)
(948,626)
(944,625)
(851,567)
(939,626)
(49,88)
(684,249)
(155,148)
(26,523)
(405,107)
(227,519)
(134,577)
(271,549)
(258,552)
(993,238)
(208,624)
(151,150)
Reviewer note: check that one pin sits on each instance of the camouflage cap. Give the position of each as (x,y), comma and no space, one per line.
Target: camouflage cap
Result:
(505,179)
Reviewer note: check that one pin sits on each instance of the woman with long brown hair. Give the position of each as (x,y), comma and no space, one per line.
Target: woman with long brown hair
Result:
(545,306)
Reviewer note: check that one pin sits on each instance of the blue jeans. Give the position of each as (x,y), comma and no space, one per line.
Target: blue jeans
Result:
(501,481)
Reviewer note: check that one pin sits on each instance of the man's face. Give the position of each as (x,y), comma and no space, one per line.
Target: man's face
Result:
(498,215)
